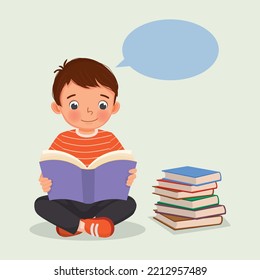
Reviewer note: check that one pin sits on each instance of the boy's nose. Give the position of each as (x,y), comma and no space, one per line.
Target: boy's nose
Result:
(89,111)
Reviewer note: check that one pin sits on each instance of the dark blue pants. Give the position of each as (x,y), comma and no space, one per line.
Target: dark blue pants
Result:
(66,214)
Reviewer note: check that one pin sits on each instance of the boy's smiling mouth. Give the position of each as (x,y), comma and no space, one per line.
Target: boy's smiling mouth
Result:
(88,121)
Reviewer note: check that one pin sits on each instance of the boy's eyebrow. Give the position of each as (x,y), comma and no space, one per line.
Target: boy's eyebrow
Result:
(104,96)
(71,96)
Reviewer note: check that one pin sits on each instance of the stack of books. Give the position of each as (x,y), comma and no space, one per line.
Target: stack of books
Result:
(187,198)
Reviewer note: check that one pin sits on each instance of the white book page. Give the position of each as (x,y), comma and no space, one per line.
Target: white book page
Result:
(59,155)
(111,156)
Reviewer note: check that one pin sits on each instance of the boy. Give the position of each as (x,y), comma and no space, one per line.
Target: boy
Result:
(85,93)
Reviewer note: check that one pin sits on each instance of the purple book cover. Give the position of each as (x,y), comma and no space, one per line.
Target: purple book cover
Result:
(107,181)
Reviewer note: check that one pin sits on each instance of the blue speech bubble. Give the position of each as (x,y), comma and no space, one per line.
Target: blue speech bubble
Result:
(170,49)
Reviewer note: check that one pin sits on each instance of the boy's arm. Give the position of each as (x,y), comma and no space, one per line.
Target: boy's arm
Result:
(131,177)
(45,183)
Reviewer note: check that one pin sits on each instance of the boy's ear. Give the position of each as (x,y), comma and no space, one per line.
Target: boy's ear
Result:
(116,108)
(55,108)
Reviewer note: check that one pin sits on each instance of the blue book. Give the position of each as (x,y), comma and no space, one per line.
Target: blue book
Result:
(192,175)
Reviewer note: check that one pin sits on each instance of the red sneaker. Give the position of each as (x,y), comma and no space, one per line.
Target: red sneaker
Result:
(99,227)
(64,233)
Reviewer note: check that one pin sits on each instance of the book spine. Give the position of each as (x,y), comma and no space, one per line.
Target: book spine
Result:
(88,185)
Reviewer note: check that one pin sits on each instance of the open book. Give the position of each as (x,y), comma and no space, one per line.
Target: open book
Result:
(105,178)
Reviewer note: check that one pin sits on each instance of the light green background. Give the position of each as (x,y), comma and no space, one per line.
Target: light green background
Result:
(211,121)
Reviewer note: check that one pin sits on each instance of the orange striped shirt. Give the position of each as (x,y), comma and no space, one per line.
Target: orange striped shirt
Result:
(84,148)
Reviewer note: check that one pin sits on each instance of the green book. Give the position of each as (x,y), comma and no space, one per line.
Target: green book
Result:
(192,203)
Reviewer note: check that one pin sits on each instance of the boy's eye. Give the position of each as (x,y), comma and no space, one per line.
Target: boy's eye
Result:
(74,105)
(102,105)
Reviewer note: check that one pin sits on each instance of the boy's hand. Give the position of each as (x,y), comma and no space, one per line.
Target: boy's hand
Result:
(45,183)
(131,177)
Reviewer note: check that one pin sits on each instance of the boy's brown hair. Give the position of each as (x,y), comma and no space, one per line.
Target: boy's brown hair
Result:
(85,72)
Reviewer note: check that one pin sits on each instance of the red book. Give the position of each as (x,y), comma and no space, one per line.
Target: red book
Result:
(180,194)
(176,186)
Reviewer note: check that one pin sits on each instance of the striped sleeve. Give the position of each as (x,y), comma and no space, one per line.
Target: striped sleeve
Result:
(115,144)
(55,145)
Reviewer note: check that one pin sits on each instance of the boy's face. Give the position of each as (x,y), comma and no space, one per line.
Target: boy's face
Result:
(86,108)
